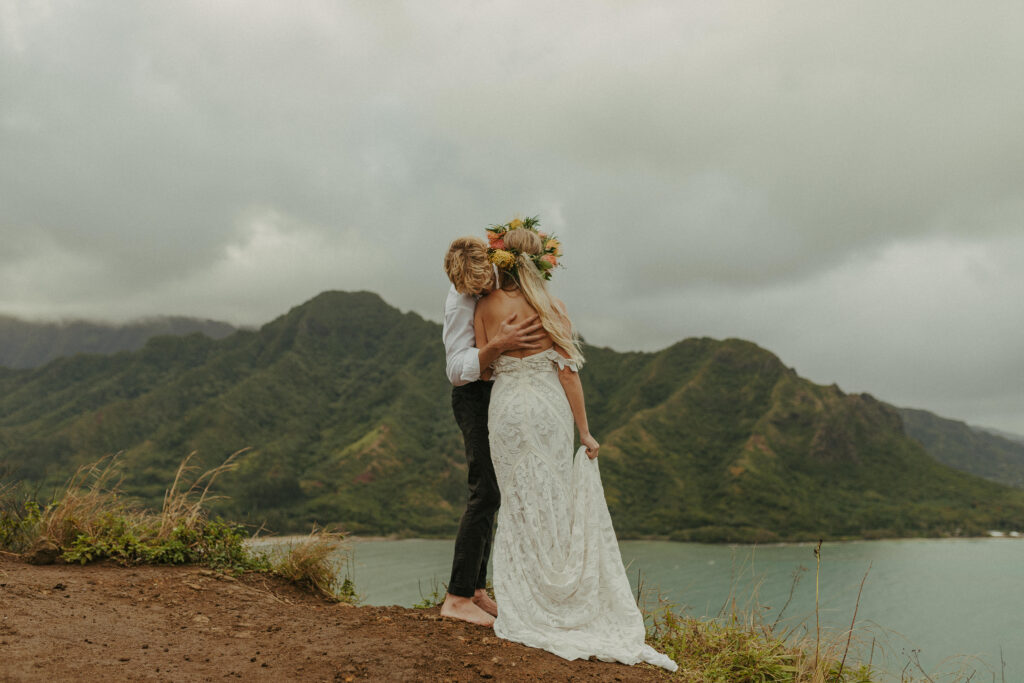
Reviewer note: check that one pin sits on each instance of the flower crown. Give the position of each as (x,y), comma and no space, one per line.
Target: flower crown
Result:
(506,258)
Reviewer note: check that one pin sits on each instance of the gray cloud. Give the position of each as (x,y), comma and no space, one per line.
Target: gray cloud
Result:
(841,184)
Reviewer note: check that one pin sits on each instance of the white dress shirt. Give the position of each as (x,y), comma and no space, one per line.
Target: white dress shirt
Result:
(462,357)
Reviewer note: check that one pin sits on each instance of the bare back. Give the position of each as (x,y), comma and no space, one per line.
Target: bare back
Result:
(499,305)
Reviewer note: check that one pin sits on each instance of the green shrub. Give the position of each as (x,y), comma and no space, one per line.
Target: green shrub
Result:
(19,522)
(213,543)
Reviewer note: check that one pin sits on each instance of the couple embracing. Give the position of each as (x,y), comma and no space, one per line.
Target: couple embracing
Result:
(514,358)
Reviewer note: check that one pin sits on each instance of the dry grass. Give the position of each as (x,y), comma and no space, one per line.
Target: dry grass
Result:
(89,497)
(92,496)
(314,563)
(90,520)
(186,505)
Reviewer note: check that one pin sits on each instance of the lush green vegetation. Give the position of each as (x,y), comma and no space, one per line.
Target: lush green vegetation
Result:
(966,448)
(723,437)
(346,408)
(27,344)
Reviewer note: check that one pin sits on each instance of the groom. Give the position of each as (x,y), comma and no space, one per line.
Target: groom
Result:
(473,276)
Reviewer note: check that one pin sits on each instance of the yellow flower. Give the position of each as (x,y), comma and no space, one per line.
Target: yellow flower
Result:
(515,224)
(553,244)
(503,259)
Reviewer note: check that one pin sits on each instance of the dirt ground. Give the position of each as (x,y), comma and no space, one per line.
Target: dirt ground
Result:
(105,622)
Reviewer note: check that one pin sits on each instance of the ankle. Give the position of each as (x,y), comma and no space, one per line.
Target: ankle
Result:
(451,599)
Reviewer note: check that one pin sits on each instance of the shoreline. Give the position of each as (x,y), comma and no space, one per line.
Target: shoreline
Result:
(1009,535)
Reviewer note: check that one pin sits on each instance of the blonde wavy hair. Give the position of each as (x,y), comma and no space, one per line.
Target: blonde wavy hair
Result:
(467,266)
(555,321)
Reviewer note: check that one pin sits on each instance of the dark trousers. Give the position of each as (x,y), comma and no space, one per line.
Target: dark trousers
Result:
(473,542)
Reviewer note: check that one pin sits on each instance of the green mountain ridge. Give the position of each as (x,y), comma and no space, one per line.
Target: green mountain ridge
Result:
(1008,436)
(345,404)
(28,344)
(978,451)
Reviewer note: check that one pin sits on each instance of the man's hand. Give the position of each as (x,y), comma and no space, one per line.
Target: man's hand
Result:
(522,336)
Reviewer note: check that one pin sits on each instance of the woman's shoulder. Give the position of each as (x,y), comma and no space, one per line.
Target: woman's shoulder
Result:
(500,299)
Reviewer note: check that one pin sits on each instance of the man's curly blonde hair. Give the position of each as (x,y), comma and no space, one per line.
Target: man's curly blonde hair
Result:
(467,266)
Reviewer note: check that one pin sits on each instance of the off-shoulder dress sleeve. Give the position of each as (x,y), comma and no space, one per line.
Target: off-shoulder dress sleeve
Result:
(561,361)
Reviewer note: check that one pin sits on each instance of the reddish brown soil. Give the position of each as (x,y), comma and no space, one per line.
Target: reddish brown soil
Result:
(104,622)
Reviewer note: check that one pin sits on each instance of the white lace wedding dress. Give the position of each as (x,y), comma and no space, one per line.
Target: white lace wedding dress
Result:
(558,575)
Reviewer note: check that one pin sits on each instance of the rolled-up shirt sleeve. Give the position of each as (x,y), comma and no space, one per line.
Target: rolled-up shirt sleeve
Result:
(462,358)
(464,367)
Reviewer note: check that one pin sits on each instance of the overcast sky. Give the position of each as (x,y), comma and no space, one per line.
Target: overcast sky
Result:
(841,183)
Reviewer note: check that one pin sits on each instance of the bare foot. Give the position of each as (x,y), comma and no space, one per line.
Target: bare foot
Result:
(456,607)
(482,600)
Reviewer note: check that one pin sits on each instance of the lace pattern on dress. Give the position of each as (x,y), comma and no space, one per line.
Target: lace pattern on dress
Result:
(558,573)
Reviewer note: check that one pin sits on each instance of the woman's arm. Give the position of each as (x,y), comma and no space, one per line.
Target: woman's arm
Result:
(481,341)
(570,381)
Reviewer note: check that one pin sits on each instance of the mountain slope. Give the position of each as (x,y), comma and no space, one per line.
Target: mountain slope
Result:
(966,448)
(26,344)
(309,391)
(1009,436)
(720,440)
(346,407)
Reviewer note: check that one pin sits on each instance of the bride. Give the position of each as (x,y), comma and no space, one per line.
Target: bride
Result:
(558,575)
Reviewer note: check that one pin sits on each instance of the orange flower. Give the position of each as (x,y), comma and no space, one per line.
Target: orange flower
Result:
(550,258)
(554,244)
(496,241)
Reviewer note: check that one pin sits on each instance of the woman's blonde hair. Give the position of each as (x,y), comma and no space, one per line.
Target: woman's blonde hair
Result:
(555,321)
(467,266)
